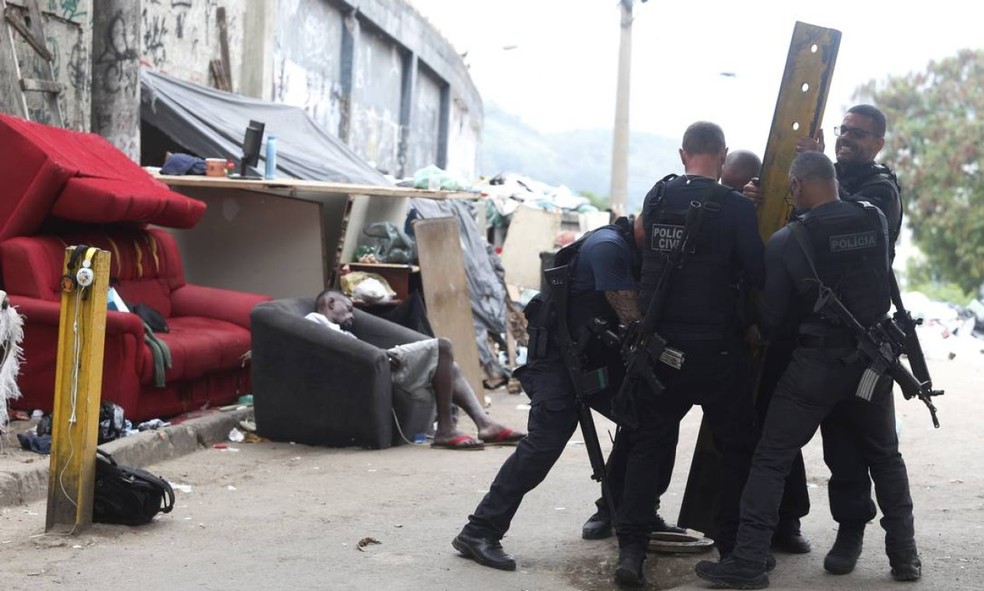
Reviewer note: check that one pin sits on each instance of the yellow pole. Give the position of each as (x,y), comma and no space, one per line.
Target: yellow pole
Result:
(78,386)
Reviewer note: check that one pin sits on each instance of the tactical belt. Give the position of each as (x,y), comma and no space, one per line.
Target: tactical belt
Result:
(831,341)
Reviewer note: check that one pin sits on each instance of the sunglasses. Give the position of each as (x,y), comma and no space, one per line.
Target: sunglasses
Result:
(855,133)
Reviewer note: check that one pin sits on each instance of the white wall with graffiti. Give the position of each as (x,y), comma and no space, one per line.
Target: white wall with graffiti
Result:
(375,72)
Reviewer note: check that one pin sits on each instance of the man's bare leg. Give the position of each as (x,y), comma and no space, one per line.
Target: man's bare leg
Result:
(489,430)
(444,387)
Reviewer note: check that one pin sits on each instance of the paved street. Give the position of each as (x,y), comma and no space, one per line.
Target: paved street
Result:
(281,516)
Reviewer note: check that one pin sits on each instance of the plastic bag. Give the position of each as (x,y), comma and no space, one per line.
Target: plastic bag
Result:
(366,287)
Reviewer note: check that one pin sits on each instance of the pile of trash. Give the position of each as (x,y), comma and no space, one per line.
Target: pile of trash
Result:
(507,191)
(947,330)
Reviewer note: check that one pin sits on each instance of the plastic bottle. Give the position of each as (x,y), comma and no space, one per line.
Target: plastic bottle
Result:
(271,157)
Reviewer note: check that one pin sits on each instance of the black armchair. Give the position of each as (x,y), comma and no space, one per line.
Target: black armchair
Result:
(316,386)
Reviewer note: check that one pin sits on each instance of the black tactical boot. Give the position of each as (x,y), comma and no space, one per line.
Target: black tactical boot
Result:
(598,526)
(733,573)
(843,556)
(629,573)
(789,539)
(770,560)
(660,526)
(906,566)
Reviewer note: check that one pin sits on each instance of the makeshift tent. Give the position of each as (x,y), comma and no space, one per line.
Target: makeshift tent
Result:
(211,123)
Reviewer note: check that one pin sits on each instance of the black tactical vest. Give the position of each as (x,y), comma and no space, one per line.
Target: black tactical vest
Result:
(850,252)
(541,311)
(583,307)
(702,300)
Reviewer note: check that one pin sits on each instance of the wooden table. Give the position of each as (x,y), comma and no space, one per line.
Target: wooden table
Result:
(282,237)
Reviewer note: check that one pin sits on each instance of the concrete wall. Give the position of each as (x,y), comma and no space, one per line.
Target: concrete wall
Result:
(381,77)
(374,72)
(307,60)
(68,28)
(181,37)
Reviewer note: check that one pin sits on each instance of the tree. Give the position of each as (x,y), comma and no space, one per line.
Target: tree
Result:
(935,129)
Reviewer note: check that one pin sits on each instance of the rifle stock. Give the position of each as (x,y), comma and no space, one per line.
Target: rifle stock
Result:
(558,278)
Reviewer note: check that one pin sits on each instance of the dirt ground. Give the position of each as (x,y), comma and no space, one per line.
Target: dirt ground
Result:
(281,516)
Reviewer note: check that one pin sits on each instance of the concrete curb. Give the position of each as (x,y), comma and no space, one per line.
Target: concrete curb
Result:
(26,483)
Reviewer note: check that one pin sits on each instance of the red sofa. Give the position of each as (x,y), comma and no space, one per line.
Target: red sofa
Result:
(52,174)
(209,328)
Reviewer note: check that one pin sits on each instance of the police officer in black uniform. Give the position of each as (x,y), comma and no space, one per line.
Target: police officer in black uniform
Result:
(860,137)
(851,255)
(699,317)
(604,284)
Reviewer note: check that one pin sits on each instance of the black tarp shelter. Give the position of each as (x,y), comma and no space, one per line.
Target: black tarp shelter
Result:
(211,123)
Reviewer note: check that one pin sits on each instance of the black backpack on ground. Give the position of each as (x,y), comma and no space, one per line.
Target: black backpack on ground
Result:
(128,496)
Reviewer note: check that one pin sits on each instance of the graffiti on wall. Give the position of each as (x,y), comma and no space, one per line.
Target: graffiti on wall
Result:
(181,38)
(67,42)
(120,47)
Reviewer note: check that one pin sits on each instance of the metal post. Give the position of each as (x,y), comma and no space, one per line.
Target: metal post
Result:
(620,140)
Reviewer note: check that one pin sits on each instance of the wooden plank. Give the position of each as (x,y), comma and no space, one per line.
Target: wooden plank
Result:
(78,386)
(17,22)
(220,17)
(218,75)
(292,186)
(442,269)
(35,85)
(799,109)
(531,231)
(12,99)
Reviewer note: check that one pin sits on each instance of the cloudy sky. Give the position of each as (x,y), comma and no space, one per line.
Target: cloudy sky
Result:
(553,62)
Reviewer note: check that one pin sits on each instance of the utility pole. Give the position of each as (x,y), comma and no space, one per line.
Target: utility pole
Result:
(116,73)
(620,139)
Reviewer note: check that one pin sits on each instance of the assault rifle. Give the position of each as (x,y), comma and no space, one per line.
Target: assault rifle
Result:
(879,344)
(642,345)
(584,383)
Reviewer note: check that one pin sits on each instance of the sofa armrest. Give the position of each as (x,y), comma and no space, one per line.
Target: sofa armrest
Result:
(383,333)
(44,312)
(211,302)
(317,386)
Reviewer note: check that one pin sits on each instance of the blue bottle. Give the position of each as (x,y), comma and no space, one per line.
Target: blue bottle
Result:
(271,157)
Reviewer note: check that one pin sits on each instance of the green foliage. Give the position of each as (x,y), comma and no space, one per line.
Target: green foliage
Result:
(920,277)
(935,127)
(602,203)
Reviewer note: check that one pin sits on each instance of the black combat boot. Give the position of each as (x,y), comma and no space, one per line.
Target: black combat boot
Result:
(843,555)
(660,526)
(789,539)
(733,573)
(598,526)
(629,573)
(906,566)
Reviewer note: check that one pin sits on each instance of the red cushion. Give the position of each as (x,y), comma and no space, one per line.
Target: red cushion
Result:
(37,161)
(198,346)
(31,178)
(107,201)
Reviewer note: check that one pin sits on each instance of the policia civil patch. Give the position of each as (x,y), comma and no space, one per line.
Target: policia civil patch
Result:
(666,237)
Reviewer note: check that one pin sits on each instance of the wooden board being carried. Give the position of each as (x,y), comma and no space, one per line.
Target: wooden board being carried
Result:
(799,108)
(442,272)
